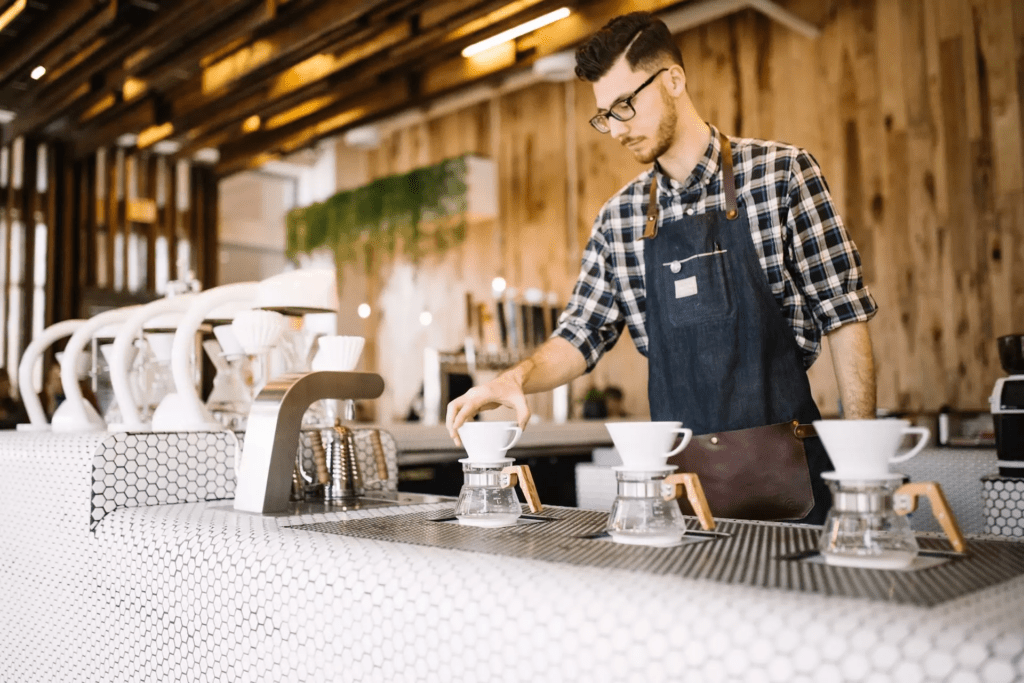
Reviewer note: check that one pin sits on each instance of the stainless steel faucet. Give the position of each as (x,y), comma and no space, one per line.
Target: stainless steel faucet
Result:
(264,476)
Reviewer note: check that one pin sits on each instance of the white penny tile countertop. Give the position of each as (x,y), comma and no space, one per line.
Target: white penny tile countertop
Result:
(177,586)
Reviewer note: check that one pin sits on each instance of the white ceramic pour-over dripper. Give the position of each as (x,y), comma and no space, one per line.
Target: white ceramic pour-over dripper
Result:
(229,345)
(34,407)
(337,353)
(488,442)
(257,331)
(183,410)
(647,446)
(863,449)
(131,420)
(76,414)
(294,294)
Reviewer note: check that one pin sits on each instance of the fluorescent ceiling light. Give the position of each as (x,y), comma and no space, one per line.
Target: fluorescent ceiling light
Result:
(513,33)
(167,147)
(38,72)
(6,115)
(14,10)
(207,155)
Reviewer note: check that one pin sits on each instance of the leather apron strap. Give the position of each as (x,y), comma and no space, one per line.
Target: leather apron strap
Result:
(728,182)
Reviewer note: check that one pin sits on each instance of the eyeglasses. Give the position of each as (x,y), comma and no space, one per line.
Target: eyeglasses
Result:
(623,109)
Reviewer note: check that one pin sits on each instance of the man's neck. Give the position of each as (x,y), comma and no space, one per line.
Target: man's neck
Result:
(692,142)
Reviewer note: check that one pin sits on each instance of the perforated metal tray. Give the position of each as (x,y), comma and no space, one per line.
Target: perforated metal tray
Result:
(747,553)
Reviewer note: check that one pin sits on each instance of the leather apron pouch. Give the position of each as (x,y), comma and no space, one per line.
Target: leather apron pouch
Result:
(758,473)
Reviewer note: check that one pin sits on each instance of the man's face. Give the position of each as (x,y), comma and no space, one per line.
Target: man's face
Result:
(651,132)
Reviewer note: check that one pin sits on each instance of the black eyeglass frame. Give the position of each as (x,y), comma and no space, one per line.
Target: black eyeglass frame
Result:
(600,121)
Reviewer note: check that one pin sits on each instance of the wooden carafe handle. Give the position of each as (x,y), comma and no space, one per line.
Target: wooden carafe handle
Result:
(378,455)
(521,474)
(694,494)
(905,500)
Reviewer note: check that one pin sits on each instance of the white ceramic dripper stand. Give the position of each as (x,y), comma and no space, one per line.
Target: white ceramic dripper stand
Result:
(27,367)
(488,496)
(76,414)
(645,511)
(867,525)
(155,324)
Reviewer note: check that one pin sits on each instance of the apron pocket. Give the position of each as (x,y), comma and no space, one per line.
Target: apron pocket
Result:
(756,473)
(696,289)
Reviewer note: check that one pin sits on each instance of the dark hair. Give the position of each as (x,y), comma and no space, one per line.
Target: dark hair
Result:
(647,38)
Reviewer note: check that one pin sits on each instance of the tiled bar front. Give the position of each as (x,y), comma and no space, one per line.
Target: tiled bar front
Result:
(189,590)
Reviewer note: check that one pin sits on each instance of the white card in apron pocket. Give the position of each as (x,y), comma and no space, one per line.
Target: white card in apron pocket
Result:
(686,287)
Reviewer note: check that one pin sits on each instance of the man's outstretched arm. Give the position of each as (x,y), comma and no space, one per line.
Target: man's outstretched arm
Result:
(555,363)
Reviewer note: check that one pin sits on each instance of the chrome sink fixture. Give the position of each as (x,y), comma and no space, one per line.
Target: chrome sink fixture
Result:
(264,475)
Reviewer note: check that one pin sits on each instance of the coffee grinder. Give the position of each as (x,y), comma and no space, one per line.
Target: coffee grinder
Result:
(1007,403)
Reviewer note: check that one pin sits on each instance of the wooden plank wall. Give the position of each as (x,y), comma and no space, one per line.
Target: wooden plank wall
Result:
(911,107)
(72,273)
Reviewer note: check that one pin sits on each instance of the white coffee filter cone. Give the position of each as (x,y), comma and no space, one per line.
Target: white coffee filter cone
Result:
(161,343)
(338,353)
(257,331)
(107,351)
(228,342)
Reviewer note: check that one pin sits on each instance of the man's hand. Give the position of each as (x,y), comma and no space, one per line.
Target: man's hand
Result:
(553,364)
(504,390)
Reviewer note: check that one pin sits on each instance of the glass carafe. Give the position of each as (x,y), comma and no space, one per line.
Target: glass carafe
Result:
(488,496)
(645,511)
(867,526)
(152,369)
(229,400)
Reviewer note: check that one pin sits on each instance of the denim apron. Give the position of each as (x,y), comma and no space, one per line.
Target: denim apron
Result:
(721,355)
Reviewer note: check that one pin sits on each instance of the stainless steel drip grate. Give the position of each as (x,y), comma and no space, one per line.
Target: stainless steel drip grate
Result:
(747,553)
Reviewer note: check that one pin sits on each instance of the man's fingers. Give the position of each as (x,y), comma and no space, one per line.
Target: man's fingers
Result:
(522,409)
(449,416)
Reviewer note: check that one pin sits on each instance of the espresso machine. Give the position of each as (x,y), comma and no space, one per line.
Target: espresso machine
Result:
(1007,403)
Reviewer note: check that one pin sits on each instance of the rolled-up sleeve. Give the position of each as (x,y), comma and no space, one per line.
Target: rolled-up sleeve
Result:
(825,262)
(592,320)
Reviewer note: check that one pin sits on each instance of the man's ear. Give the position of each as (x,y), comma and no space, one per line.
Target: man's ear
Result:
(676,80)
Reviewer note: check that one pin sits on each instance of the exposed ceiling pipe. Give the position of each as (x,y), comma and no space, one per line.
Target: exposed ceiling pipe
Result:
(683,19)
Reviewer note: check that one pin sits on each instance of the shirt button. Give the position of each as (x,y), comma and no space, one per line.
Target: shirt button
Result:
(689,212)
(675,267)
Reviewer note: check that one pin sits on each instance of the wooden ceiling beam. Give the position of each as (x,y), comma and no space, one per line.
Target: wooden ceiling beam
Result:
(297,87)
(387,99)
(267,100)
(107,62)
(491,17)
(36,42)
(320,30)
(138,117)
(180,59)
(238,156)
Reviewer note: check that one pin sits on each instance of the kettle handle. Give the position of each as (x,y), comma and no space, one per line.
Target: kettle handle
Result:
(521,474)
(694,494)
(905,500)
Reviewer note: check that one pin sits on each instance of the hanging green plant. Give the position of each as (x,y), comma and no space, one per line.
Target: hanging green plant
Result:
(421,211)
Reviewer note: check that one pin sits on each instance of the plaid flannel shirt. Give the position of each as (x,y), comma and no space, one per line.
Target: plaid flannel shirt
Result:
(810,262)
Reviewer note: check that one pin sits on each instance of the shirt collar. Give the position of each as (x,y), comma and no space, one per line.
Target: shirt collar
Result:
(702,174)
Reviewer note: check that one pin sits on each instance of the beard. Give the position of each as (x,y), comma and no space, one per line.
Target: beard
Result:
(663,137)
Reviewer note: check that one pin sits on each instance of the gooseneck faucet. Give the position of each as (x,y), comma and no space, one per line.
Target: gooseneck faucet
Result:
(264,476)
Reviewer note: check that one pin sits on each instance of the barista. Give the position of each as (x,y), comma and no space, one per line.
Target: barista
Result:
(726,260)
